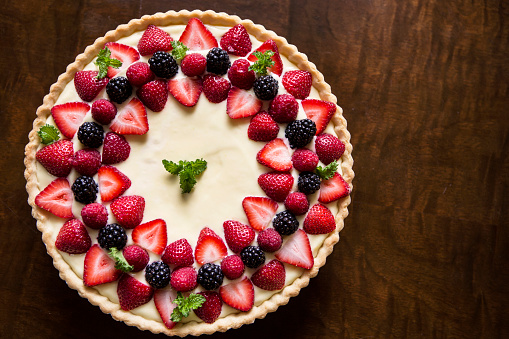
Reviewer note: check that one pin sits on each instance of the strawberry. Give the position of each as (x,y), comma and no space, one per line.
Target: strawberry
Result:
(163,299)
(178,253)
(297,83)
(319,111)
(276,185)
(236,41)
(56,198)
(238,235)
(128,210)
(296,250)
(197,37)
(73,238)
(151,235)
(211,308)
(269,240)
(232,267)
(297,203)
(99,267)
(184,279)
(186,90)
(136,257)
(259,211)
(94,215)
(69,116)
(154,95)
(238,294)
(262,127)
(333,189)
(154,39)
(319,220)
(57,158)
(241,104)
(277,68)
(87,161)
(270,277)
(112,183)
(132,293)
(139,74)
(210,247)
(328,148)
(304,160)
(126,54)
(275,155)
(87,85)
(239,74)
(193,64)
(115,148)
(131,119)
(215,88)
(284,108)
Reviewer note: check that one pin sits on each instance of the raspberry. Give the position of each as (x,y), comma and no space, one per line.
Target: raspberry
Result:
(184,279)
(265,87)
(297,83)
(116,148)
(284,108)
(269,240)
(304,160)
(252,256)
(163,65)
(297,203)
(112,235)
(210,276)
(157,274)
(103,111)
(232,267)
(91,134)
(262,127)
(285,223)
(94,215)
(300,132)
(154,95)
(136,257)
(211,308)
(193,64)
(119,89)
(218,61)
(87,161)
(85,189)
(239,74)
(329,148)
(308,183)
(139,74)
(215,88)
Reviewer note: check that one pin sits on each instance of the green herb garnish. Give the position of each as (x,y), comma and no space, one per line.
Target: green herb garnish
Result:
(48,134)
(104,61)
(187,172)
(264,61)
(120,262)
(186,305)
(179,50)
(328,171)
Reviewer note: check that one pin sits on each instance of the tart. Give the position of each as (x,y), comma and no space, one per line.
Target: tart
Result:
(189,158)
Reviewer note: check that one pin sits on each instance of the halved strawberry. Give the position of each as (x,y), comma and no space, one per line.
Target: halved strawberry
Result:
(333,189)
(238,235)
(276,155)
(259,211)
(186,90)
(151,235)
(57,158)
(296,250)
(99,267)
(210,247)
(154,39)
(277,68)
(131,119)
(197,37)
(241,103)
(56,198)
(319,111)
(319,220)
(238,294)
(126,54)
(132,293)
(87,85)
(69,116)
(163,299)
(112,183)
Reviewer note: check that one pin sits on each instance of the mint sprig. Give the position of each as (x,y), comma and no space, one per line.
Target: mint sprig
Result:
(327,172)
(104,61)
(179,50)
(48,134)
(264,61)
(186,305)
(187,172)
(120,261)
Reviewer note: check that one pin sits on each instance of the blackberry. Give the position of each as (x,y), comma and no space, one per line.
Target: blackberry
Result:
(285,223)
(163,65)
(218,61)
(210,276)
(252,256)
(157,274)
(119,89)
(91,134)
(300,132)
(112,235)
(308,182)
(85,189)
(265,87)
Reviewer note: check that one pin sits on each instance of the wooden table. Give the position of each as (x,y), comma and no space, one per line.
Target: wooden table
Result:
(425,89)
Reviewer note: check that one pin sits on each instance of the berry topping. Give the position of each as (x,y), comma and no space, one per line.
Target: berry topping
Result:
(297,203)
(184,279)
(304,160)
(126,54)
(300,132)
(57,158)
(119,89)
(94,215)
(319,111)
(139,74)
(269,240)
(262,127)
(285,223)
(333,189)
(252,256)
(163,300)
(112,183)
(87,161)
(211,308)
(112,235)
(297,250)
(56,198)
(178,253)
(193,64)
(210,276)
(270,277)
(241,104)
(116,148)
(87,85)
(136,256)
(151,236)
(154,95)
(99,268)
(163,65)
(284,108)
(85,189)
(236,41)
(238,235)
(157,274)
(69,116)
(319,220)
(308,182)
(218,61)
(186,90)
(259,211)
(328,148)
(154,39)
(73,238)
(276,185)
(277,68)
(298,83)
(232,267)
(91,134)
(275,155)
(197,37)
(215,88)
(238,294)
(239,74)
(210,247)
(103,111)
(265,87)
(131,119)
(128,210)
(132,293)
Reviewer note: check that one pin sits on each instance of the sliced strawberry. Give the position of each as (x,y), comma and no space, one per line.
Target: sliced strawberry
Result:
(56,198)
(57,158)
(277,68)
(112,183)
(241,103)
(186,90)
(259,211)
(236,41)
(126,54)
(131,119)
(276,155)
(154,39)
(238,235)
(210,247)
(132,293)
(163,299)
(333,189)
(151,235)
(87,85)
(238,294)
(207,232)
(319,111)
(69,116)
(197,37)
(73,238)
(99,267)
(319,220)
(271,276)
(296,250)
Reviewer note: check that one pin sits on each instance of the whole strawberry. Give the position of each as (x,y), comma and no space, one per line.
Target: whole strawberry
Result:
(154,39)
(319,220)
(271,276)
(276,185)
(73,238)
(103,111)
(128,210)
(115,149)
(215,88)
(211,308)
(262,127)
(87,85)
(298,83)
(94,215)
(136,257)
(238,235)
(239,74)
(132,293)
(178,253)
(183,279)
(193,64)
(87,161)
(154,95)
(328,148)
(139,74)
(57,157)
(236,41)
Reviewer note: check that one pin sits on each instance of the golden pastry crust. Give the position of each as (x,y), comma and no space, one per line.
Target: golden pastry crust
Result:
(233,320)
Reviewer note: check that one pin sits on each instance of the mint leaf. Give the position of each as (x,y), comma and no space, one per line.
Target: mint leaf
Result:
(179,50)
(328,171)
(198,166)
(186,305)
(104,61)
(48,134)
(172,167)
(264,61)
(187,180)
(120,262)
(187,172)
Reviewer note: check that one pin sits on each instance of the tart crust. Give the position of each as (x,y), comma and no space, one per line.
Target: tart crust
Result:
(233,320)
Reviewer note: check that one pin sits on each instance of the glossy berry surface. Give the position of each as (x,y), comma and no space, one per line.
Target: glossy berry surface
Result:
(285,223)
(218,61)
(300,132)
(252,256)
(265,87)
(163,65)
(85,189)
(157,274)
(112,235)
(119,89)
(308,182)
(210,276)
(91,134)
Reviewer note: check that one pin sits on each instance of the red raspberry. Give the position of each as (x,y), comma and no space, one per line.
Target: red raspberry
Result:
(211,308)
(297,83)
(269,240)
(240,75)
(139,74)
(94,215)
(136,256)
(103,111)
(304,160)
(262,127)
(115,149)
(154,95)
(178,253)
(215,88)
(297,203)
(87,161)
(284,108)
(193,64)
(328,148)
(232,266)
(183,279)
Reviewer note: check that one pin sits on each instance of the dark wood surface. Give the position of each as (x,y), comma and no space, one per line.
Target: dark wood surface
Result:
(425,89)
